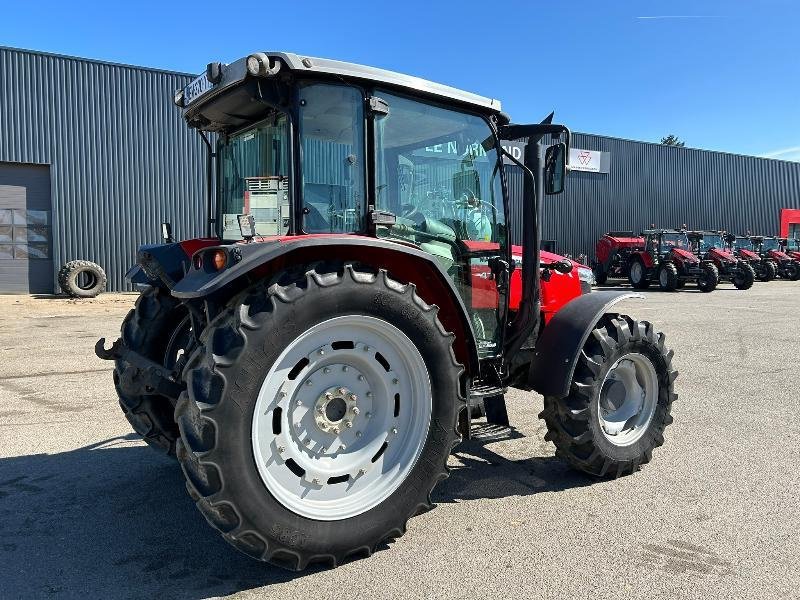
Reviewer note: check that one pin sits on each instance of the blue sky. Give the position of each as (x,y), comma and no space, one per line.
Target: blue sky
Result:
(721,75)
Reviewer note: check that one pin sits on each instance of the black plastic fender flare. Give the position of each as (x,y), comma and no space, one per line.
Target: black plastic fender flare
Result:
(563,338)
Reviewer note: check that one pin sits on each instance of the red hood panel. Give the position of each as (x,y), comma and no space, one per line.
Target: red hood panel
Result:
(686,255)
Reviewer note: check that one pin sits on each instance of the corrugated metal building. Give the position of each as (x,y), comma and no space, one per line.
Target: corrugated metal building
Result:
(647,183)
(94,155)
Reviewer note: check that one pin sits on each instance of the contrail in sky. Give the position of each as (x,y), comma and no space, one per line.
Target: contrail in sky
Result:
(681,17)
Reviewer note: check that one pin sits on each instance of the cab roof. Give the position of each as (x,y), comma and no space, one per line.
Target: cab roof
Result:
(236,73)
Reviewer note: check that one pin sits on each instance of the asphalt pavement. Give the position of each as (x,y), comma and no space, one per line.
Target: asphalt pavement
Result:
(88,511)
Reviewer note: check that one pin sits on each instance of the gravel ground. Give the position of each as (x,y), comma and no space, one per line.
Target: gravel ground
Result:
(86,510)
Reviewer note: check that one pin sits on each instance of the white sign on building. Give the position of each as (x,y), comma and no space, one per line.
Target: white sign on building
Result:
(584,160)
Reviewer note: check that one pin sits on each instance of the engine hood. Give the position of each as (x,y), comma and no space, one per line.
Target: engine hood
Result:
(722,255)
(685,255)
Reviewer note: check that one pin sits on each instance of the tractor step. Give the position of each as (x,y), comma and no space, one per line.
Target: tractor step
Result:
(489,401)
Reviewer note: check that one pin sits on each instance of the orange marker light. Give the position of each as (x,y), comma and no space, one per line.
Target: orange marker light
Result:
(219,258)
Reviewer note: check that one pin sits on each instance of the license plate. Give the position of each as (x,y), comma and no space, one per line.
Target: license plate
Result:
(195,89)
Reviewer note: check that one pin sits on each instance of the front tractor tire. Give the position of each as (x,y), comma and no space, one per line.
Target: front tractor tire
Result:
(619,401)
(709,278)
(159,329)
(319,415)
(744,277)
(668,277)
(768,271)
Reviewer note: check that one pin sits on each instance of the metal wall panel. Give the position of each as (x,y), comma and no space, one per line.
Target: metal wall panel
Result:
(652,183)
(121,158)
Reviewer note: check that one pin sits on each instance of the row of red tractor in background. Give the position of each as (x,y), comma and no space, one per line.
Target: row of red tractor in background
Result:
(671,257)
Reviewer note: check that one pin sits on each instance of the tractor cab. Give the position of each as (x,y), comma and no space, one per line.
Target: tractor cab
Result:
(663,243)
(791,246)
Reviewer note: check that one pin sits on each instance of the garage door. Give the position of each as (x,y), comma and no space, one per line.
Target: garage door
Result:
(26,264)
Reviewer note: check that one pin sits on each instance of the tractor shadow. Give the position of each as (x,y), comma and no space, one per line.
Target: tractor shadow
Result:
(481,472)
(113,519)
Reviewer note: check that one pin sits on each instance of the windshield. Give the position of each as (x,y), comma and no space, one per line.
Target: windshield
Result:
(711,241)
(793,244)
(253,178)
(770,244)
(744,243)
(669,241)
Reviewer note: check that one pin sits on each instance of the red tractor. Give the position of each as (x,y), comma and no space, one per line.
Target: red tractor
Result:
(791,246)
(770,247)
(710,246)
(613,254)
(310,360)
(741,247)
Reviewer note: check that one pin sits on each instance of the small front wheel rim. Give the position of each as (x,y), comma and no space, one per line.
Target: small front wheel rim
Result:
(342,417)
(628,399)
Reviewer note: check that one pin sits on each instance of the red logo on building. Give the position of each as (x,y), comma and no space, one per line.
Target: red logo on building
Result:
(585,157)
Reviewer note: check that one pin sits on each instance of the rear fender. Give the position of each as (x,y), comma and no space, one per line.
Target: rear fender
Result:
(250,263)
(560,344)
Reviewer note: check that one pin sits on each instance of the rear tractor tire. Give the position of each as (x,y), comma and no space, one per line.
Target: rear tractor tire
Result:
(637,275)
(668,277)
(319,416)
(158,328)
(744,277)
(709,278)
(619,400)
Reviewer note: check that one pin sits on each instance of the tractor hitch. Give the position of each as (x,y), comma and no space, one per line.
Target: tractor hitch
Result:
(140,375)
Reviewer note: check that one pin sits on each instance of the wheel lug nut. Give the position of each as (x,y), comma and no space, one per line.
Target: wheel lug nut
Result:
(366,348)
(326,370)
(342,447)
(315,481)
(328,395)
(321,352)
(353,397)
(348,424)
(394,430)
(361,378)
(281,449)
(362,471)
(308,441)
(282,394)
(356,410)
(342,391)
(345,369)
(335,430)
(320,410)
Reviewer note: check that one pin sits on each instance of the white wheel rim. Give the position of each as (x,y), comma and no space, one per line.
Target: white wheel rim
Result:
(628,399)
(309,459)
(636,271)
(663,278)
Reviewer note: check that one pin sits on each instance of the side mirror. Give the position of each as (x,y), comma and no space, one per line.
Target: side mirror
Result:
(555,169)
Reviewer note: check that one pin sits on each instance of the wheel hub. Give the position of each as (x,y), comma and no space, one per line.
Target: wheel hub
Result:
(628,399)
(336,409)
